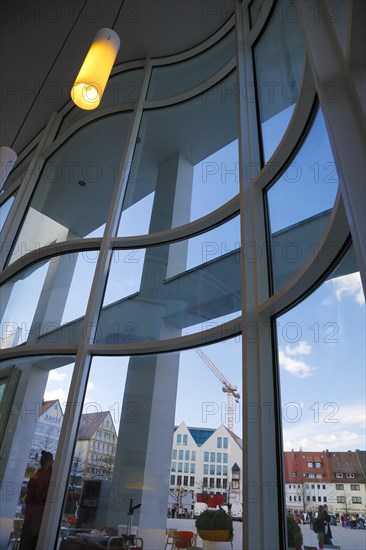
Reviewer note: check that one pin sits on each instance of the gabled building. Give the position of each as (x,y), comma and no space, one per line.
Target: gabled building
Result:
(96,446)
(206,461)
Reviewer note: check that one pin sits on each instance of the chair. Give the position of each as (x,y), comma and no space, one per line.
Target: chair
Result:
(183,539)
(169,538)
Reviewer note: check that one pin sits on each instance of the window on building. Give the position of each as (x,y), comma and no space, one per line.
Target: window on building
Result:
(290,498)
(325,499)
(225,458)
(224,470)
(341,500)
(186,455)
(180,466)
(356,500)
(206,456)
(219,442)
(218,457)
(185,439)
(205,482)
(174,467)
(172,480)
(313,499)
(235,484)
(293,474)
(212,457)
(218,470)
(205,469)
(339,487)
(185,481)
(218,483)
(350,476)
(309,464)
(355,487)
(191,481)
(179,481)
(324,487)
(308,499)
(317,465)
(193,455)
(319,499)
(318,486)
(180,455)
(299,498)
(179,439)
(193,468)
(212,469)
(339,475)
(226,443)
(224,483)
(212,482)
(186,467)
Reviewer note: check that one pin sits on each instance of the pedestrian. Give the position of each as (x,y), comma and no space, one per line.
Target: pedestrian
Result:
(319,526)
(342,519)
(35,501)
(327,530)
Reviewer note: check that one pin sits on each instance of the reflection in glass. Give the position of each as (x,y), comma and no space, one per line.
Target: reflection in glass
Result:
(33,438)
(38,301)
(75,188)
(170,80)
(18,172)
(5,209)
(255,11)
(161,291)
(181,157)
(279,63)
(308,187)
(320,350)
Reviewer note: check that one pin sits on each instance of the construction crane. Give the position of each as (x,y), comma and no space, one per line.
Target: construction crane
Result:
(232,394)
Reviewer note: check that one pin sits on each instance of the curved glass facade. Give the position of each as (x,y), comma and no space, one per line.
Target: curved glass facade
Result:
(193,214)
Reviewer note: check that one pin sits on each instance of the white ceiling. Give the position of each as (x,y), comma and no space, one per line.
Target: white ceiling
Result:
(43,43)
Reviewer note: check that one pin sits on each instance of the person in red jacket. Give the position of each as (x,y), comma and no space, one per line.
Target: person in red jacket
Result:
(35,500)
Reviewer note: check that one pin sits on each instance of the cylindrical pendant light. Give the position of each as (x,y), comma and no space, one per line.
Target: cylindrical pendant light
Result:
(7,161)
(93,76)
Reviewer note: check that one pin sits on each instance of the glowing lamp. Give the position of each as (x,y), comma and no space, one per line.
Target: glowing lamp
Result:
(92,79)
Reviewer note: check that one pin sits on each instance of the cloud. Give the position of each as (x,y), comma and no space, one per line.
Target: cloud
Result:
(353,414)
(56,376)
(58,393)
(90,386)
(296,366)
(336,441)
(349,285)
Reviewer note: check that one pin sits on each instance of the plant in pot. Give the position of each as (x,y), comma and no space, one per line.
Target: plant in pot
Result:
(215,527)
(294,534)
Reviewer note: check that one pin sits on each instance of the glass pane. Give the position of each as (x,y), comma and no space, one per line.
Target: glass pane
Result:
(75,188)
(32,437)
(133,410)
(308,188)
(183,167)
(279,62)
(5,209)
(321,349)
(174,79)
(37,302)
(122,88)
(164,290)
(17,174)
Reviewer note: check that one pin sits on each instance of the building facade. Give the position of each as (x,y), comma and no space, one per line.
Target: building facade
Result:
(96,445)
(332,478)
(205,462)
(194,207)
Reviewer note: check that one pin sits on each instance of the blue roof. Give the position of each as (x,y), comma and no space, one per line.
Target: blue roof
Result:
(200,435)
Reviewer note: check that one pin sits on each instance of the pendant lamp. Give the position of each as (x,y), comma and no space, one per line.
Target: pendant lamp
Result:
(91,81)
(7,161)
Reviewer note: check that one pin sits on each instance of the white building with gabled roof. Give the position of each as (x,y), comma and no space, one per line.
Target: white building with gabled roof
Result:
(205,460)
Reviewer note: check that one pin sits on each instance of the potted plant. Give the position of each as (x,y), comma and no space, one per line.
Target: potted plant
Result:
(294,534)
(215,527)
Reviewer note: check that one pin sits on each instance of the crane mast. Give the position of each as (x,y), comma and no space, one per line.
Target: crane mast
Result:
(231,391)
